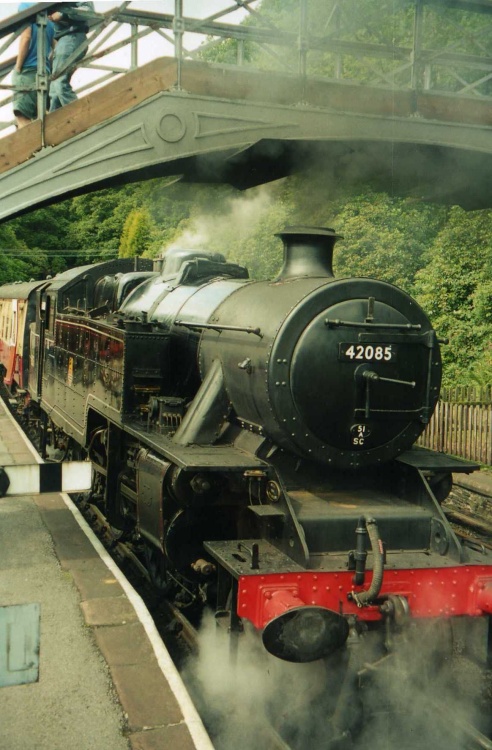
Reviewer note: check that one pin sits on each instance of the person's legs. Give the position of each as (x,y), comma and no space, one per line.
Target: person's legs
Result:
(24,101)
(61,92)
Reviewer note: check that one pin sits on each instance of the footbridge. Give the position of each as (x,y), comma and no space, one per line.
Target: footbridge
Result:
(412,113)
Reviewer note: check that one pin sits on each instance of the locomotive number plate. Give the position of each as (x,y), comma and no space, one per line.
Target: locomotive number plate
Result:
(348,352)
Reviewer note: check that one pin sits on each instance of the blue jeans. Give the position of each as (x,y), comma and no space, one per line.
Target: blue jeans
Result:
(61,92)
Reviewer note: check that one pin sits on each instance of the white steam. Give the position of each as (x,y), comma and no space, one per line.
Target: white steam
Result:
(243,694)
(236,219)
(423,696)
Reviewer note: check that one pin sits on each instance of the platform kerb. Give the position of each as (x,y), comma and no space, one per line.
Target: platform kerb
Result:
(48,560)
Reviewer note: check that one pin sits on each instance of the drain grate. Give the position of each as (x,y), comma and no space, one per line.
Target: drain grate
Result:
(19,644)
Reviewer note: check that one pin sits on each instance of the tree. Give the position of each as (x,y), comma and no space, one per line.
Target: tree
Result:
(98,220)
(46,228)
(42,233)
(13,267)
(136,237)
(386,237)
(456,291)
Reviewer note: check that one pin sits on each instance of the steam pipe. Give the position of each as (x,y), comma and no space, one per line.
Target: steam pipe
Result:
(360,554)
(364,598)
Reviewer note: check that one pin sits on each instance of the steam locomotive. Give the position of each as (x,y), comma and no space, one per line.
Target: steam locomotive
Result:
(255,441)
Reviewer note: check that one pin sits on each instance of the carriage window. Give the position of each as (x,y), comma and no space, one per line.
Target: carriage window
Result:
(48,314)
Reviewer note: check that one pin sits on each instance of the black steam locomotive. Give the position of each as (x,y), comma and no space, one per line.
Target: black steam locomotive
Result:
(254,442)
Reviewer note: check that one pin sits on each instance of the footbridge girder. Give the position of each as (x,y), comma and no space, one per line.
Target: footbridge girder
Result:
(246,128)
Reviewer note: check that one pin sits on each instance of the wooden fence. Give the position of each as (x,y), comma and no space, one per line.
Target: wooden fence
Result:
(462,424)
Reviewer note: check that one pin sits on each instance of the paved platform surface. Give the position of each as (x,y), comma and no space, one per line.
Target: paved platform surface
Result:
(101,679)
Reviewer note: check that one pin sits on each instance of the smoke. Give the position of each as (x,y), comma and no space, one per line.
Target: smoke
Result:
(228,224)
(425,694)
(240,695)
(421,694)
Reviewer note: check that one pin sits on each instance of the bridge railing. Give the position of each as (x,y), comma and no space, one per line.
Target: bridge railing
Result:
(440,46)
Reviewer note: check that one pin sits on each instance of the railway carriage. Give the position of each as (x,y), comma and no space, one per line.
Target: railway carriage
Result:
(17,312)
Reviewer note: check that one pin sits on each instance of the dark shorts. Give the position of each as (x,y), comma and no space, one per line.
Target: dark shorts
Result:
(25,102)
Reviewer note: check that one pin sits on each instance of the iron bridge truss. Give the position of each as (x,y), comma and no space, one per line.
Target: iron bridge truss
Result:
(438,46)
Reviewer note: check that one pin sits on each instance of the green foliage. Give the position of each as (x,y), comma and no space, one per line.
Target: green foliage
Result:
(17,261)
(386,237)
(136,236)
(98,221)
(45,228)
(12,250)
(455,289)
(226,52)
(385,26)
(166,204)
(35,243)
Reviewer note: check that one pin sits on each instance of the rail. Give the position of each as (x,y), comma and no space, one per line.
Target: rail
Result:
(421,45)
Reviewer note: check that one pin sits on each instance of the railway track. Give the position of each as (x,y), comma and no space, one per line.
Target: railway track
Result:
(181,636)
(475,740)
(177,630)
(469,526)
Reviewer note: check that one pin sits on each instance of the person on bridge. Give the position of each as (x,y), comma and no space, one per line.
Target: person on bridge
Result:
(71,28)
(26,68)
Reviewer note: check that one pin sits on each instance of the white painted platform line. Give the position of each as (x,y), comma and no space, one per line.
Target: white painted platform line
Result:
(191,716)
(29,479)
(193,721)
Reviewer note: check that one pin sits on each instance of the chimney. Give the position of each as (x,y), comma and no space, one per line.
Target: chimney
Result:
(308,251)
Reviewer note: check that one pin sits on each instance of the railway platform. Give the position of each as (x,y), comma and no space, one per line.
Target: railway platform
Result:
(90,671)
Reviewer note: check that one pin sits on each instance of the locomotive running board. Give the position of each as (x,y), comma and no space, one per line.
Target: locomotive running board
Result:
(33,479)
(429,460)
